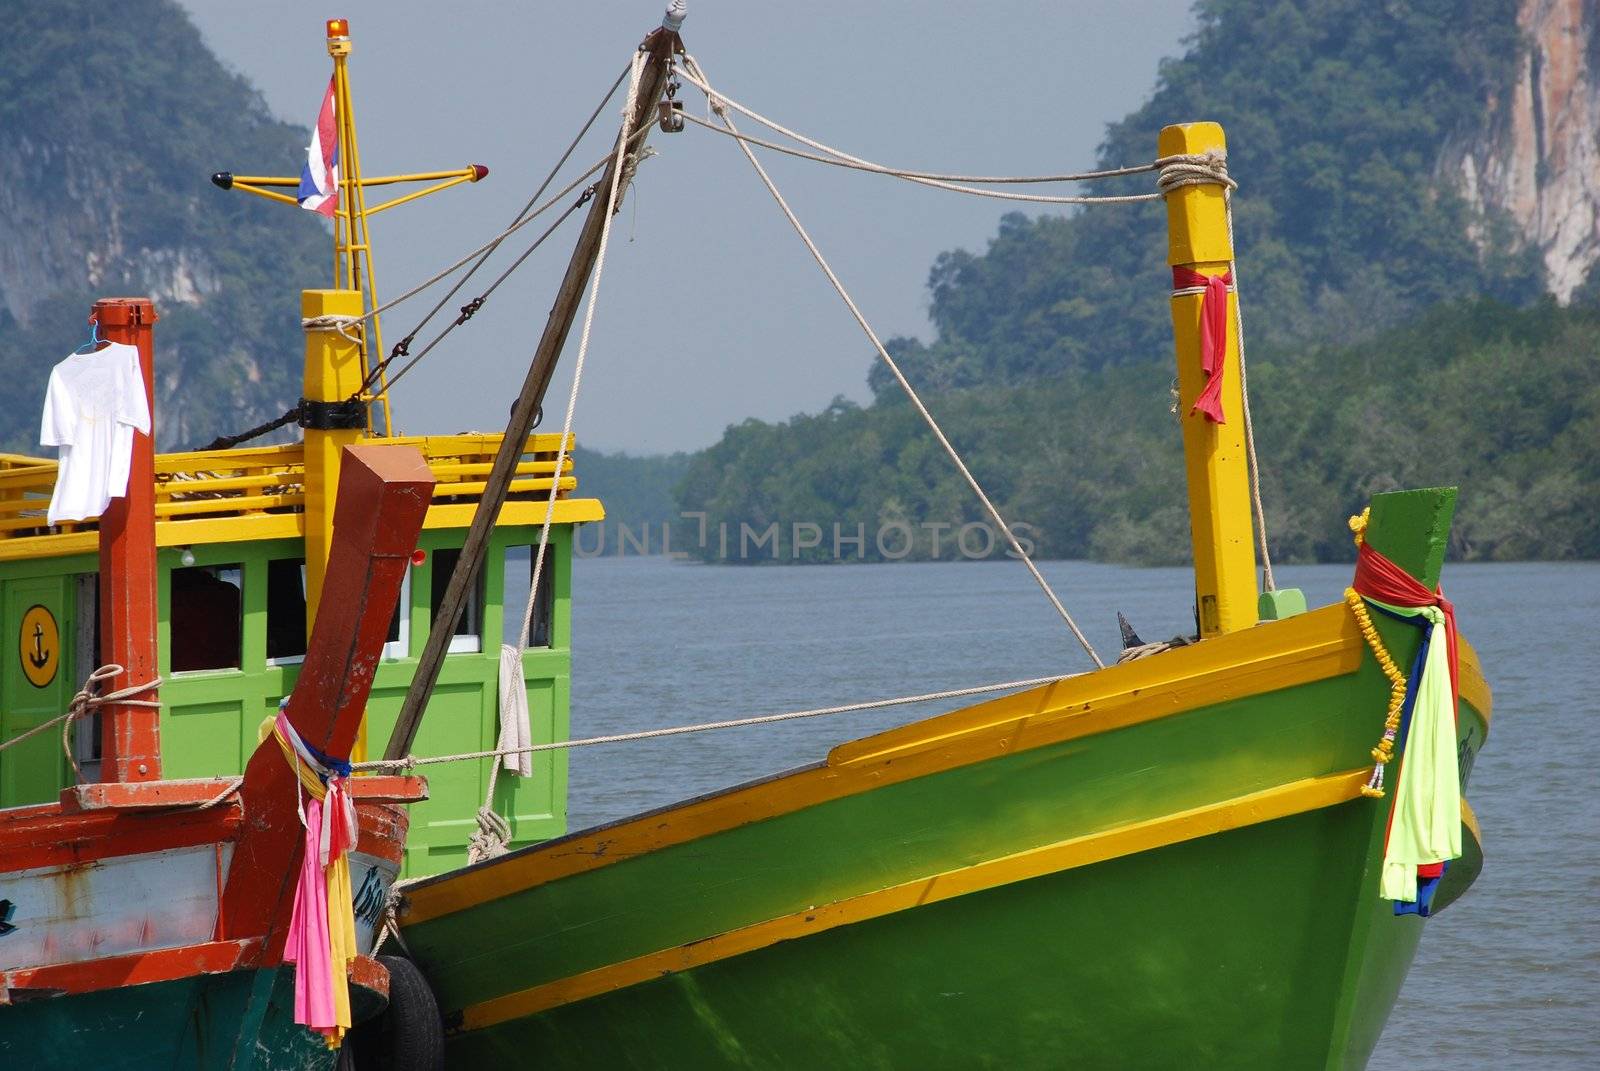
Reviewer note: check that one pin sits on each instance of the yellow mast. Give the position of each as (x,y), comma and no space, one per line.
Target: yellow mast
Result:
(1214,454)
(352,242)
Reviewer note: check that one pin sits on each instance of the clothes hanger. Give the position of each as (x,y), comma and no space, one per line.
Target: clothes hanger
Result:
(95,343)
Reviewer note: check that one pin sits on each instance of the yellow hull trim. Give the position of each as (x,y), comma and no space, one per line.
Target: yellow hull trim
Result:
(1294,798)
(1310,647)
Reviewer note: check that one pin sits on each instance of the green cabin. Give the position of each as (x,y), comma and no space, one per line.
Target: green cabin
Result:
(231,556)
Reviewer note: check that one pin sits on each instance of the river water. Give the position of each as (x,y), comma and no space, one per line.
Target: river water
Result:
(1509,977)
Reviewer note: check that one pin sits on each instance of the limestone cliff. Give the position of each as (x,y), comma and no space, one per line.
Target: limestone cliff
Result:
(107,142)
(1537,155)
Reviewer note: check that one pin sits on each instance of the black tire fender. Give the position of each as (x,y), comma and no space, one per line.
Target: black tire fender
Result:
(408,1035)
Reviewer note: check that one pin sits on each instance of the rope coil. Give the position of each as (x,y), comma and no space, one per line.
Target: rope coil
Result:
(1194,169)
(338,324)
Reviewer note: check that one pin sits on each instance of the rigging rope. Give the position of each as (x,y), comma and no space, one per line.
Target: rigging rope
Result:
(1174,172)
(905,384)
(840,158)
(1035,198)
(476,302)
(493,831)
(490,249)
(228,441)
(1267,580)
(412,761)
(401,348)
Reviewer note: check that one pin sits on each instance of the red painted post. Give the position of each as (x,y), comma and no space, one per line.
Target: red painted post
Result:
(130,737)
(382,499)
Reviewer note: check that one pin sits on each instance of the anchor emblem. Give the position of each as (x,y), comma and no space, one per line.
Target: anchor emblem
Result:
(39,646)
(38,656)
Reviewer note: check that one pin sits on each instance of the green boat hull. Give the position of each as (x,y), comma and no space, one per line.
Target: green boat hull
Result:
(1193,955)
(1164,863)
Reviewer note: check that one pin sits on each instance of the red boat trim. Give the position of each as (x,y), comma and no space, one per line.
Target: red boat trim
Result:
(135,968)
(133,795)
(48,835)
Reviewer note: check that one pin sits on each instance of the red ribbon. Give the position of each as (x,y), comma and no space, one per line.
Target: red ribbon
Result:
(1379,578)
(1213,334)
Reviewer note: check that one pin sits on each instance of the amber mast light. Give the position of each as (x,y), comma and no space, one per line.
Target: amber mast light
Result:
(338,28)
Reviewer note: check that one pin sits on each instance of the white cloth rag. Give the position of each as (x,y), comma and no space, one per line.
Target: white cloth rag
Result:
(515,731)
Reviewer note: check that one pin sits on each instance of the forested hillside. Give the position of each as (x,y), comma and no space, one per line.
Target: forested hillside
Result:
(112,118)
(1399,332)
(1503,402)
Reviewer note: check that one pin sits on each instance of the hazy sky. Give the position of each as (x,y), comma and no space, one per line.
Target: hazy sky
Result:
(710,310)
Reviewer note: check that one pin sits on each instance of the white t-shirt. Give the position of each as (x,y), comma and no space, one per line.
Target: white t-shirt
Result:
(91,410)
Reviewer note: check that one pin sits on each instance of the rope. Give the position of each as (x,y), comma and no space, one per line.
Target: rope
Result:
(412,761)
(905,385)
(493,831)
(86,700)
(339,324)
(1194,169)
(837,157)
(1267,580)
(489,250)
(1036,198)
(402,348)
(228,442)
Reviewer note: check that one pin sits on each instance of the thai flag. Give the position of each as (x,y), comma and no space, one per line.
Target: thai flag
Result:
(319,180)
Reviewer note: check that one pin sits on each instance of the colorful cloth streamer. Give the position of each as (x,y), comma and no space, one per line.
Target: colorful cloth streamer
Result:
(1428,878)
(322,929)
(1425,823)
(1213,333)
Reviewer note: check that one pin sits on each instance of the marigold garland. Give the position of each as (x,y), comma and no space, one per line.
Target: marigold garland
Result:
(1383,754)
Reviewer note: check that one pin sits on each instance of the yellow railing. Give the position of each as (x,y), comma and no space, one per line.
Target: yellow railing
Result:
(271,479)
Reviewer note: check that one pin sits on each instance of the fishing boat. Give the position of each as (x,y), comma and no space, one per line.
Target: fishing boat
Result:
(148,831)
(1219,851)
(1189,858)
(150,919)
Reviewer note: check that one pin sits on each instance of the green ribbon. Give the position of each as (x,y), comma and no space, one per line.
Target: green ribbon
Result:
(1426,827)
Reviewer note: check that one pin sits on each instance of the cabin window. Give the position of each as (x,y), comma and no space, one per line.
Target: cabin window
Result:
(519,578)
(286,610)
(205,618)
(286,614)
(468,636)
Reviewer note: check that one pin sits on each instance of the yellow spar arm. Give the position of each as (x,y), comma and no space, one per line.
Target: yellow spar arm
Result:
(470,173)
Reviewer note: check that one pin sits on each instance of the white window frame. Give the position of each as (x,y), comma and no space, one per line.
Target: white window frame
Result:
(400,647)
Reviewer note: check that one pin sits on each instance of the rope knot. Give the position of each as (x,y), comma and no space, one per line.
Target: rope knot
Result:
(492,837)
(1209,168)
(339,324)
